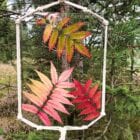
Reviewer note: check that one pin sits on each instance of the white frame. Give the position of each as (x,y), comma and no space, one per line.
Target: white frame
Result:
(64,129)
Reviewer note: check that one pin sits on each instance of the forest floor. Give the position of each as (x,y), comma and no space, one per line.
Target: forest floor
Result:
(7,79)
(7,90)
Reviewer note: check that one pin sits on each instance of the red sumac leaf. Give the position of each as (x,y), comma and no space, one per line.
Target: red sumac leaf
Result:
(47,98)
(93,91)
(29,108)
(92,116)
(87,99)
(45,119)
(65,75)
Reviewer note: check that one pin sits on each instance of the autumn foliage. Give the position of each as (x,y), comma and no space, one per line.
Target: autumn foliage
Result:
(49,97)
(87,100)
(65,37)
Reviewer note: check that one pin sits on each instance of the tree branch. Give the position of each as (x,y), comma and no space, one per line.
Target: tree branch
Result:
(7,13)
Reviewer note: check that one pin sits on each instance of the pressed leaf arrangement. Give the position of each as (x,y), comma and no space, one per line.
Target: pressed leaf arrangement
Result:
(65,37)
(50,97)
(87,100)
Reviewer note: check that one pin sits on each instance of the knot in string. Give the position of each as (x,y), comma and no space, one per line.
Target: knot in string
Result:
(61,1)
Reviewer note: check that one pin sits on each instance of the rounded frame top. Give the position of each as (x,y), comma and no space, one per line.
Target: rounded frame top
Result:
(84,9)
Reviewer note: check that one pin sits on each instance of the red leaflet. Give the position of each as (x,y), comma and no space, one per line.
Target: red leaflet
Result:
(87,85)
(61,99)
(29,108)
(80,99)
(62,92)
(93,91)
(65,75)
(88,111)
(97,99)
(65,85)
(50,111)
(83,106)
(92,116)
(44,118)
(58,106)
(80,89)
(48,98)
(88,100)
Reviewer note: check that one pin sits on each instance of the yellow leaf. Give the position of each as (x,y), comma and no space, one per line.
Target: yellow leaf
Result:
(73,28)
(43,88)
(82,49)
(80,35)
(37,91)
(61,45)
(53,39)
(45,80)
(47,32)
(69,49)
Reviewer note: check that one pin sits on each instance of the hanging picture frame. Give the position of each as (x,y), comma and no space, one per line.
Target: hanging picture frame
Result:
(63,129)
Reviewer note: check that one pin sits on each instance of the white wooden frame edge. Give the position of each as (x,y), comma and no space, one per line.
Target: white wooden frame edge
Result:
(19,81)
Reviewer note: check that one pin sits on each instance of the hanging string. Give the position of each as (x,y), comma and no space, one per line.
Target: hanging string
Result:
(63,132)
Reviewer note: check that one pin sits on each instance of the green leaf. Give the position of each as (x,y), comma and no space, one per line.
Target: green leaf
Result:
(80,35)
(73,28)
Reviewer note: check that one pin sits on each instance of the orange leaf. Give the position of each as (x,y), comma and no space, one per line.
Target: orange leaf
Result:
(45,80)
(41,21)
(47,32)
(60,45)
(34,99)
(62,23)
(43,88)
(53,39)
(73,28)
(82,49)
(37,91)
(69,49)
(80,35)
